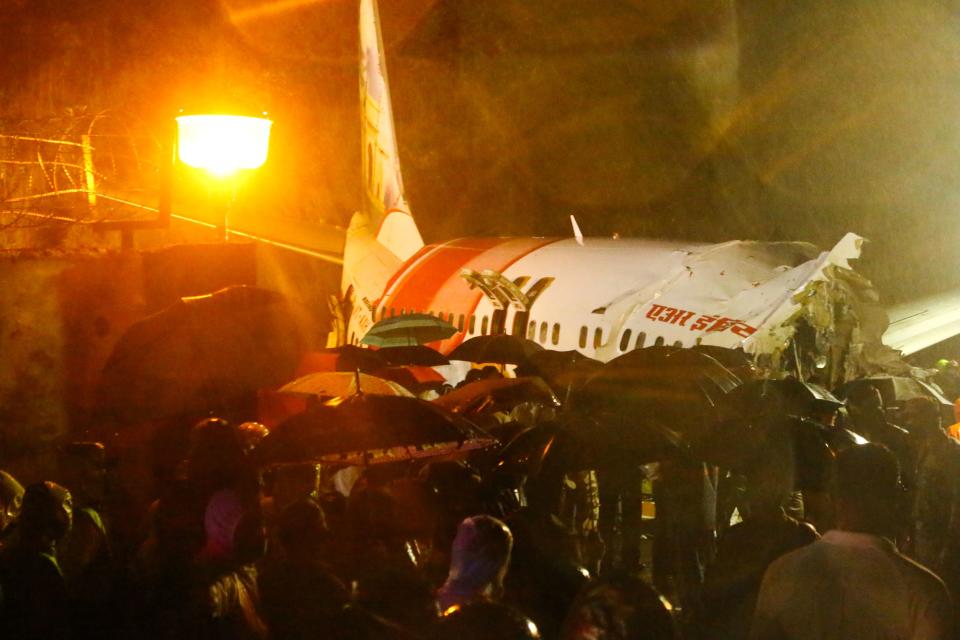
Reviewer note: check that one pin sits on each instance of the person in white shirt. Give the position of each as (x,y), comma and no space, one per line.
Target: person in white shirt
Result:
(853,584)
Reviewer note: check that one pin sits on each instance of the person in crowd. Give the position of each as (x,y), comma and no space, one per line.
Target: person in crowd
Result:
(11,497)
(479,560)
(686,498)
(400,595)
(217,459)
(83,471)
(301,597)
(35,602)
(545,570)
(85,553)
(868,418)
(235,540)
(732,581)
(483,620)
(620,607)
(166,569)
(853,583)
(936,504)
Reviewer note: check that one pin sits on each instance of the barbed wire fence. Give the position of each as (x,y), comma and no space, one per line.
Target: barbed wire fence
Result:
(79,169)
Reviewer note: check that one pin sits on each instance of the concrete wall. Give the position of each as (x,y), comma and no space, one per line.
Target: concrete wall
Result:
(63,312)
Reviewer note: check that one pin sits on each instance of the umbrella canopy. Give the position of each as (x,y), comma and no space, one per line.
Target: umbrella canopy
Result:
(408,330)
(502,349)
(346,357)
(655,396)
(201,354)
(564,371)
(895,390)
(497,394)
(780,398)
(369,429)
(330,384)
(412,377)
(417,354)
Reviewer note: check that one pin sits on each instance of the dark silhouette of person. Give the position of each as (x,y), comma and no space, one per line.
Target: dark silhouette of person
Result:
(35,600)
(853,583)
(301,597)
(744,552)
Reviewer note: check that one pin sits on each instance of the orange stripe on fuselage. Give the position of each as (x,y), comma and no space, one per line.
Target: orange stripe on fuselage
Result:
(430,280)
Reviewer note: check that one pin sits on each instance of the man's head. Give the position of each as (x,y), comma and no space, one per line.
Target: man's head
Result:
(46,514)
(864,402)
(868,489)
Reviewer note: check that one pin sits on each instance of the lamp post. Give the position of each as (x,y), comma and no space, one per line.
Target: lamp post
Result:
(222,145)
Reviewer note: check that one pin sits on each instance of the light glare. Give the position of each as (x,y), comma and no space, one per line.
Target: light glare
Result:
(223,144)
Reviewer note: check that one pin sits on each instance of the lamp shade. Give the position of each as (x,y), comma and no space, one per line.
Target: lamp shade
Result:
(223,144)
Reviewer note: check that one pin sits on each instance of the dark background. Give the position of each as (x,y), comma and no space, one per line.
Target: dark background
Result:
(697,119)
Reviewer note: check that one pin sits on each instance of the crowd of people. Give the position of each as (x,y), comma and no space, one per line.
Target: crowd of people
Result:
(853,533)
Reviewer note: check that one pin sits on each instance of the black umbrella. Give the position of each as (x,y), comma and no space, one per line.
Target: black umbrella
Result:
(346,357)
(651,398)
(501,349)
(201,354)
(418,355)
(564,371)
(497,394)
(780,398)
(366,429)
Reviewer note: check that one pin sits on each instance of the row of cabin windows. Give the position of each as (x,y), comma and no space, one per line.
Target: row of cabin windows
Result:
(544,328)
(625,345)
(469,322)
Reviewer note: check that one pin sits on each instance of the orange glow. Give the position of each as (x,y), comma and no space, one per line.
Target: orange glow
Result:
(223,144)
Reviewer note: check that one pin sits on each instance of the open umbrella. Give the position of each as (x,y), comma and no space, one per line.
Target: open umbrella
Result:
(780,398)
(417,354)
(501,349)
(346,357)
(408,330)
(656,395)
(497,394)
(201,354)
(368,429)
(330,384)
(564,371)
(412,377)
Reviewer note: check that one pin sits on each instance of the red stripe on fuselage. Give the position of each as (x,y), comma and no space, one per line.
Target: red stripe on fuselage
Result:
(430,280)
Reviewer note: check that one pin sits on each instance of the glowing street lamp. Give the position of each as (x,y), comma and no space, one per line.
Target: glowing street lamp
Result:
(223,144)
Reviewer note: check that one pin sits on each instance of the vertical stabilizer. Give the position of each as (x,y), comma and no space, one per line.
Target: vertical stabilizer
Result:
(384,203)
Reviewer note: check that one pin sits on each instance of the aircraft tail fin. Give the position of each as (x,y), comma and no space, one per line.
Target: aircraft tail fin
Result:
(384,203)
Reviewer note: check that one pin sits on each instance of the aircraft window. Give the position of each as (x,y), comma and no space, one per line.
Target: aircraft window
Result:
(473,323)
(555,334)
(641,338)
(597,337)
(678,344)
(658,342)
(483,326)
(460,321)
(393,312)
(543,332)
(625,340)
(383,313)
(532,330)
(583,337)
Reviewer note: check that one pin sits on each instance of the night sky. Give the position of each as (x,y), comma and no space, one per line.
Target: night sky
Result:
(700,119)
